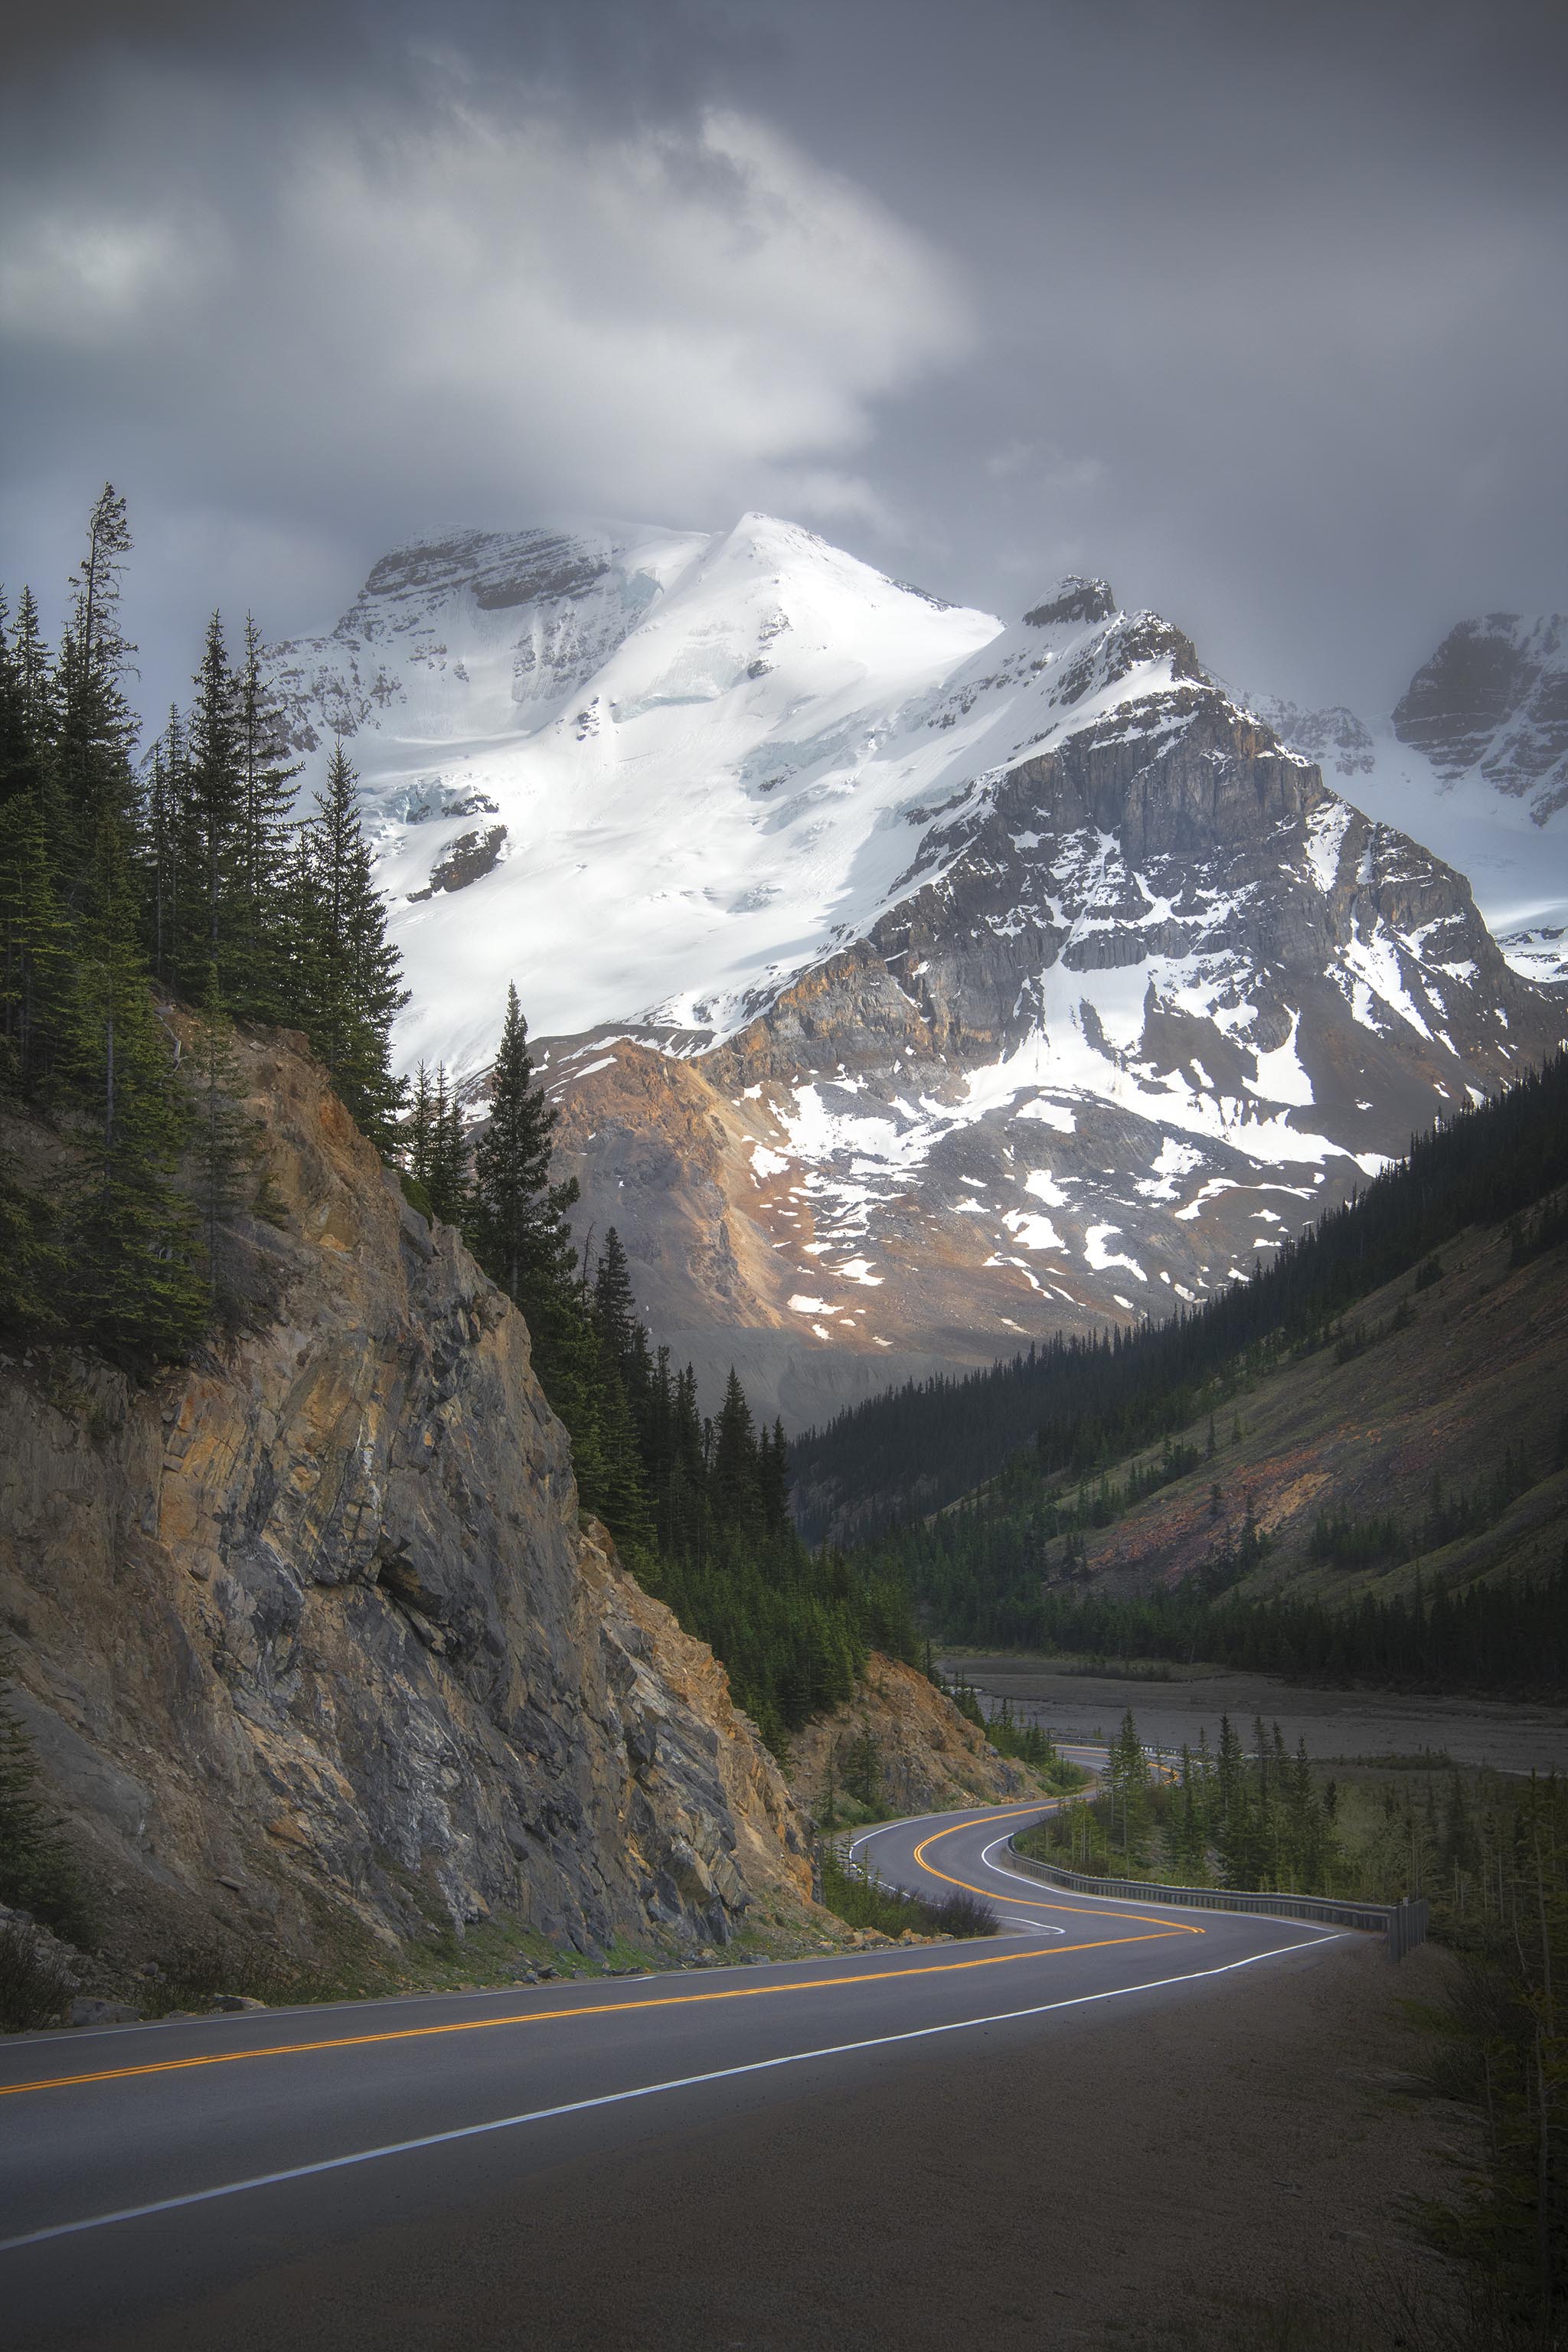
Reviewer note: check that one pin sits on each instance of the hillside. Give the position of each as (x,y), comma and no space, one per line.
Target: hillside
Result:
(1360,1455)
(314,1652)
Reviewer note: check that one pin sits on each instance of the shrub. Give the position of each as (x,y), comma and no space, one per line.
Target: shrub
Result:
(34,1987)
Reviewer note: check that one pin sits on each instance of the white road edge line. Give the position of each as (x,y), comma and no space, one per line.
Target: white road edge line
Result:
(615,2098)
(987,1852)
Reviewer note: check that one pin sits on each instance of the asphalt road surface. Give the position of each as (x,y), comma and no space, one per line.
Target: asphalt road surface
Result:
(147,2169)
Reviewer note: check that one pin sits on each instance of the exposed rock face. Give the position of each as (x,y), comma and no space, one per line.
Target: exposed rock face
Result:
(1335,738)
(931,1757)
(1144,1004)
(1494,697)
(311,1640)
(468,859)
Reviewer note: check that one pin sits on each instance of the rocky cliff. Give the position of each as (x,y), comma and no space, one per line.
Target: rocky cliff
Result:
(312,1645)
(925,1757)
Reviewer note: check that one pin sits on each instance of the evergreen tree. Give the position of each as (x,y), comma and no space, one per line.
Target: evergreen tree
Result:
(209,819)
(95,727)
(26,702)
(345,986)
(615,1306)
(30,1264)
(448,1181)
(733,1482)
(37,947)
(133,1288)
(519,1226)
(256,947)
(163,825)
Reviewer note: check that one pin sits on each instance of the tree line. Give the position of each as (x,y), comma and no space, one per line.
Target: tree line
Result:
(128,886)
(699,1505)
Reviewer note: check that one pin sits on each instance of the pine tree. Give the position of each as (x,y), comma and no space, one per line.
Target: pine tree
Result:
(207,819)
(732,1480)
(615,1306)
(133,1289)
(95,727)
(772,1481)
(521,1233)
(28,713)
(257,949)
(38,972)
(31,1266)
(416,1150)
(448,1181)
(344,987)
(163,825)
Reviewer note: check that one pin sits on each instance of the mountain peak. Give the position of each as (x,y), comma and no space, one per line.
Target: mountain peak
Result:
(1073,598)
(1494,699)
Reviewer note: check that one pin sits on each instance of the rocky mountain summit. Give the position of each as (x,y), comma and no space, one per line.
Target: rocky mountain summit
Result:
(1474,761)
(1494,698)
(309,1637)
(912,985)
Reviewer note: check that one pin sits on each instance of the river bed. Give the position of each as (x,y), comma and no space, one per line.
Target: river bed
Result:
(1515,1735)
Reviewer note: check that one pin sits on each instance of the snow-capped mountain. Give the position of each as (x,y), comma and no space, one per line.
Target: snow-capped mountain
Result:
(1474,761)
(913,984)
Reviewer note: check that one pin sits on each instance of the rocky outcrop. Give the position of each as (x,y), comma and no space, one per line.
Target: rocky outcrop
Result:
(465,861)
(926,1757)
(1494,697)
(312,1643)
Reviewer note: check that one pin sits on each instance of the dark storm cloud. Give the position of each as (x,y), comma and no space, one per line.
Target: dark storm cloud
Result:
(1262,314)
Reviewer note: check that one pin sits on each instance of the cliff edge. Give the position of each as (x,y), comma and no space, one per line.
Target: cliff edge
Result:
(314,1650)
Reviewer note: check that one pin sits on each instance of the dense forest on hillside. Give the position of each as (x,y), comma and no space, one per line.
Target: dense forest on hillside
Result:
(1083,1402)
(148,903)
(1007,1563)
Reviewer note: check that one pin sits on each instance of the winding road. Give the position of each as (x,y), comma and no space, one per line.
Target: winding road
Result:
(145,2168)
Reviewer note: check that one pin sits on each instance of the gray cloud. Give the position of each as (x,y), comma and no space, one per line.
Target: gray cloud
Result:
(1266,320)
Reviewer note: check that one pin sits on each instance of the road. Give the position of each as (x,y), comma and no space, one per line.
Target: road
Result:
(145,2168)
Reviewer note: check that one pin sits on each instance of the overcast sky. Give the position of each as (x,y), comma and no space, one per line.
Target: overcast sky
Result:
(1262,313)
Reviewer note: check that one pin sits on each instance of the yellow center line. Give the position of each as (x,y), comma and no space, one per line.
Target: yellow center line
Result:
(561,2016)
(1039,1902)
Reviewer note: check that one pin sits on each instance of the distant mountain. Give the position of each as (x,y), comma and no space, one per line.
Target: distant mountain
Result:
(1473,761)
(912,985)
(1494,699)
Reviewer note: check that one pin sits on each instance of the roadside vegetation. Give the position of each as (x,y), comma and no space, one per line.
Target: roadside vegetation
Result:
(1490,1853)
(865,1901)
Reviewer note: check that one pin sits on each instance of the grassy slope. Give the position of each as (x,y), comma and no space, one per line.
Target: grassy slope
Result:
(1482,1366)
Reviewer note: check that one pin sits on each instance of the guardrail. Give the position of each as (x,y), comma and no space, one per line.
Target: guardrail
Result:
(1402,1925)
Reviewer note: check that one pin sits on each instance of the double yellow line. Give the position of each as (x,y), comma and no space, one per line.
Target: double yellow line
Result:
(1165,1928)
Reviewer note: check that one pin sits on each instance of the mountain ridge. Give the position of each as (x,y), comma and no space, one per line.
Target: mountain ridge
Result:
(909,983)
